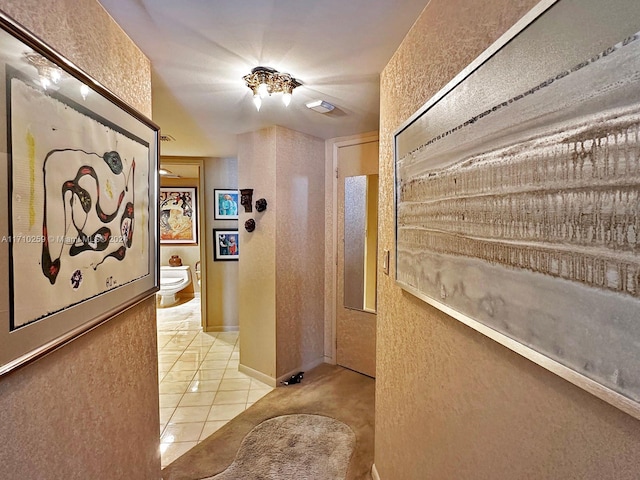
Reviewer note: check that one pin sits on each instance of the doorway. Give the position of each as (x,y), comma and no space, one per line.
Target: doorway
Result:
(356,247)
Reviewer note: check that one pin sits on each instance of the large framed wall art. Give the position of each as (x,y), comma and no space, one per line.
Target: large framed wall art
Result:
(78,240)
(178,215)
(517,195)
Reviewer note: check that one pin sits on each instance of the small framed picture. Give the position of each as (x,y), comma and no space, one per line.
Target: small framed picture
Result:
(225,245)
(225,204)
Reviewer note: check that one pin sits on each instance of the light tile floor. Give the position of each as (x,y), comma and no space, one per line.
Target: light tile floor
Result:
(201,388)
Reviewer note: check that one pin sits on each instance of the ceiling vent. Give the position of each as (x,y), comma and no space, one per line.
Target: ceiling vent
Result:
(167,138)
(320,106)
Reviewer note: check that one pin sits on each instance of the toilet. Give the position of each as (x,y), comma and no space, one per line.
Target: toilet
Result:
(172,280)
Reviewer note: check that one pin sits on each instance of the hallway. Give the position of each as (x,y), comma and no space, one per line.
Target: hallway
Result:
(200,386)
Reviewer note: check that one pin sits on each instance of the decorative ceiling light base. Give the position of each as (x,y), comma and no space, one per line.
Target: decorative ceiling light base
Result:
(264,81)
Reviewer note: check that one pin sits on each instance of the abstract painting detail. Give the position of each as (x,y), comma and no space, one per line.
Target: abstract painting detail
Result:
(523,212)
(178,215)
(80,190)
(76,220)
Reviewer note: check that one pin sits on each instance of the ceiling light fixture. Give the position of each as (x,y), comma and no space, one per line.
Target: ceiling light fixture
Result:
(264,81)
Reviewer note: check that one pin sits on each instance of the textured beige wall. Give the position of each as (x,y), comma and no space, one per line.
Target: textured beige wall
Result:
(281,279)
(450,403)
(257,263)
(299,250)
(86,35)
(76,413)
(222,277)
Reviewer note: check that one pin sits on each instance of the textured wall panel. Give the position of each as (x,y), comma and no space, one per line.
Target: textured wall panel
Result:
(89,409)
(299,249)
(451,403)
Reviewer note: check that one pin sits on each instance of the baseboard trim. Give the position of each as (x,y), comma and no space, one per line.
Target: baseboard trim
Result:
(330,360)
(261,377)
(222,329)
(374,472)
(305,368)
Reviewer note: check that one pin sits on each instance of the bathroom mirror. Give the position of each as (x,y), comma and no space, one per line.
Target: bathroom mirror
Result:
(360,242)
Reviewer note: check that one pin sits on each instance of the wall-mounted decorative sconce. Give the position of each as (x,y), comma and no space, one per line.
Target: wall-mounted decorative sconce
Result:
(246,196)
(250,225)
(261,205)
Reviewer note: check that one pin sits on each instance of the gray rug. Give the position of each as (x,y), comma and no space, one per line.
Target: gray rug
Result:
(296,447)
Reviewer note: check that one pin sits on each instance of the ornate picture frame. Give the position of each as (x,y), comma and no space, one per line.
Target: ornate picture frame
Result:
(79,238)
(178,212)
(517,191)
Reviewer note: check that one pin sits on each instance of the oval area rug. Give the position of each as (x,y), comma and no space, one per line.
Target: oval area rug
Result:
(297,447)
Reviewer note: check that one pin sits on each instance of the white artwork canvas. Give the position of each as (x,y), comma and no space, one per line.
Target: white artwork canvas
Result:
(518,196)
(79,205)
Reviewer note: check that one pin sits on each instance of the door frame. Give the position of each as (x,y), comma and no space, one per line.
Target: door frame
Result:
(202,208)
(332,147)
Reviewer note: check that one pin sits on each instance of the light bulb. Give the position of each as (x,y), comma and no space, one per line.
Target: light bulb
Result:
(45,82)
(286,99)
(263,90)
(257,101)
(55,75)
(84,91)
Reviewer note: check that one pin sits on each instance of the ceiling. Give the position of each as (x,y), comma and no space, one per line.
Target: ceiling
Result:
(201,49)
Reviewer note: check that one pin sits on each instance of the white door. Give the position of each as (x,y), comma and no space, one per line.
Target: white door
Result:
(357,201)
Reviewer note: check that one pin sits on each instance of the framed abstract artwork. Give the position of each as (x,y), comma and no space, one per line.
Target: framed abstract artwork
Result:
(226,245)
(178,215)
(225,204)
(78,241)
(517,195)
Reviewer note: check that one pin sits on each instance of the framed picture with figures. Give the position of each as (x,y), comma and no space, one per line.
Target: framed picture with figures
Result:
(225,204)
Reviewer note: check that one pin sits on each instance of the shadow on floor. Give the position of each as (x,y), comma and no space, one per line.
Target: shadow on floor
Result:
(326,390)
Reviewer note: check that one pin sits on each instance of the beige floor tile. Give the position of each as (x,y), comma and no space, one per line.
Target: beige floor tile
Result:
(182,365)
(234,373)
(208,375)
(179,376)
(204,386)
(212,356)
(164,367)
(171,451)
(193,354)
(237,396)
(225,412)
(170,400)
(224,348)
(211,427)
(182,432)
(190,414)
(255,395)
(165,414)
(197,399)
(174,387)
(213,364)
(235,384)
(258,385)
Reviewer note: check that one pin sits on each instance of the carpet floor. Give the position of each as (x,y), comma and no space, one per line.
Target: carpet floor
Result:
(327,390)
